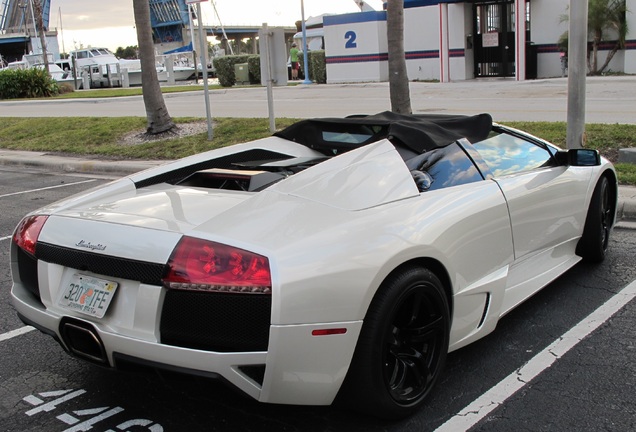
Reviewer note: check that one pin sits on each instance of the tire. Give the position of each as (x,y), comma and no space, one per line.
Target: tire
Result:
(598,224)
(402,347)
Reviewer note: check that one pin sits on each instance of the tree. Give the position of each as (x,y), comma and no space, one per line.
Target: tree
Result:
(606,22)
(604,15)
(130,52)
(398,78)
(156,112)
(37,9)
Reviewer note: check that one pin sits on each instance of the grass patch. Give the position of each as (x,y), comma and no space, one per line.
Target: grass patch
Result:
(132,91)
(136,91)
(626,173)
(103,137)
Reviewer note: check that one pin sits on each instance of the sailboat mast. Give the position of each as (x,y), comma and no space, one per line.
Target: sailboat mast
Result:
(61,29)
(222,28)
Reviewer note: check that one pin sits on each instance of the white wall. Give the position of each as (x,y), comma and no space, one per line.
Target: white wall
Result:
(356,47)
(421,42)
(367,60)
(545,30)
(457,40)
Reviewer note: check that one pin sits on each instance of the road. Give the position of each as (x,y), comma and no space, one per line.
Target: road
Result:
(609,100)
(589,387)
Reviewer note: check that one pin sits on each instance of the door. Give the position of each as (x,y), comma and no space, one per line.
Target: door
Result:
(494,41)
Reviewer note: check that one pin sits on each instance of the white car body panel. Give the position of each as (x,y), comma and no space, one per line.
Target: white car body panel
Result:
(332,234)
(351,181)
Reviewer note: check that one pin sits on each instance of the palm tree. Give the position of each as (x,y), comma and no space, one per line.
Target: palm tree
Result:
(39,22)
(156,112)
(603,16)
(398,78)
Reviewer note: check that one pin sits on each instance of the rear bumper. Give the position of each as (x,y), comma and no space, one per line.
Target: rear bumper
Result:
(297,368)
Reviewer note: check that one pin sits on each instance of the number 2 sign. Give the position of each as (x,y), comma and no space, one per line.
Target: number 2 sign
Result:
(350,38)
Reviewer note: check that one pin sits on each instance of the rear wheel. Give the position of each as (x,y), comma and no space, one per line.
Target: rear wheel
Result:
(598,224)
(402,347)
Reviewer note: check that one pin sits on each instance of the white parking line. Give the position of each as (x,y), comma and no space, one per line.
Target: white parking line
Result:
(45,188)
(5,238)
(14,333)
(496,396)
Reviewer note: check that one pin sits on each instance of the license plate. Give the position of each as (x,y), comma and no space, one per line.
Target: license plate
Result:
(88,295)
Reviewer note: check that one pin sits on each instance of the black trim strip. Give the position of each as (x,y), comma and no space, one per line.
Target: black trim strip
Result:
(123,268)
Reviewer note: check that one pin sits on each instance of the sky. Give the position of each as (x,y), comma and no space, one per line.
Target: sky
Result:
(110,23)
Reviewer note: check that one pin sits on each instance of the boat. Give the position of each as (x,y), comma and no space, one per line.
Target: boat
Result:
(100,65)
(181,69)
(28,61)
(99,61)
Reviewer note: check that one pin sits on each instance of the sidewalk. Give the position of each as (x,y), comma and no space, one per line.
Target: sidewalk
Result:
(626,212)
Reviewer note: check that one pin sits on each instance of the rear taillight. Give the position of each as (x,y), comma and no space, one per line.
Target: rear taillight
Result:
(202,265)
(27,233)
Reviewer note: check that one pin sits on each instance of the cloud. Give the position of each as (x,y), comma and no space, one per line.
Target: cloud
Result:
(96,23)
(89,15)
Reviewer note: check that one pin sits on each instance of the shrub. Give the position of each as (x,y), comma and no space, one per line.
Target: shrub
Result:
(225,68)
(26,83)
(254,68)
(64,88)
(317,66)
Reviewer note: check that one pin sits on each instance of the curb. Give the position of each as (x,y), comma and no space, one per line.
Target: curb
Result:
(72,164)
(626,209)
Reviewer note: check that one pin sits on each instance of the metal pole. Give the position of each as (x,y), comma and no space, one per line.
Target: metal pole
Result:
(194,51)
(267,42)
(305,65)
(577,69)
(204,70)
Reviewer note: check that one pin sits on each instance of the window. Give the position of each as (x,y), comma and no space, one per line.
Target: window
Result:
(443,167)
(507,154)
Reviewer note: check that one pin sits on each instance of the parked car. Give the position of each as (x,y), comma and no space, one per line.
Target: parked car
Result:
(338,260)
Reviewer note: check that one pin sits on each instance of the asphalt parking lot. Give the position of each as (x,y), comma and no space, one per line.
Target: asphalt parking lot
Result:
(587,386)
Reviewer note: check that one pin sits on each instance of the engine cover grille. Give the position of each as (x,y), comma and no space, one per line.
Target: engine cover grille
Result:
(216,321)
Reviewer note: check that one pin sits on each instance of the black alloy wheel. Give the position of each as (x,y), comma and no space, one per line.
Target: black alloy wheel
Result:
(598,224)
(414,343)
(402,348)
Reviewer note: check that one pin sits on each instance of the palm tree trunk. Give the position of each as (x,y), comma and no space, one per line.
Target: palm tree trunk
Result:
(156,112)
(609,58)
(595,44)
(398,77)
(37,6)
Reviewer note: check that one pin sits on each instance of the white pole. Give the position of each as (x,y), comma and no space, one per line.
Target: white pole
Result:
(267,43)
(520,40)
(576,74)
(444,62)
(305,65)
(204,70)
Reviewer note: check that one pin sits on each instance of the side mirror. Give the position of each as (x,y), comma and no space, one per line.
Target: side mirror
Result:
(579,157)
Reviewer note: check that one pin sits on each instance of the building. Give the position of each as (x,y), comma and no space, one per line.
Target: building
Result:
(18,32)
(450,40)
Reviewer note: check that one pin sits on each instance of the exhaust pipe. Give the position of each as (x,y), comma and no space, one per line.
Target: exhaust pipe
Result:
(82,340)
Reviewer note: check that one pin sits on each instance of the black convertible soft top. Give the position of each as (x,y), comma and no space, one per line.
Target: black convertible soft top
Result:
(417,132)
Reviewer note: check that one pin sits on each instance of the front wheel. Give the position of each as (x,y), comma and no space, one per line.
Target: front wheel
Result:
(598,224)
(402,347)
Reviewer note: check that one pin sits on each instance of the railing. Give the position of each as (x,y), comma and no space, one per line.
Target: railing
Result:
(4,6)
